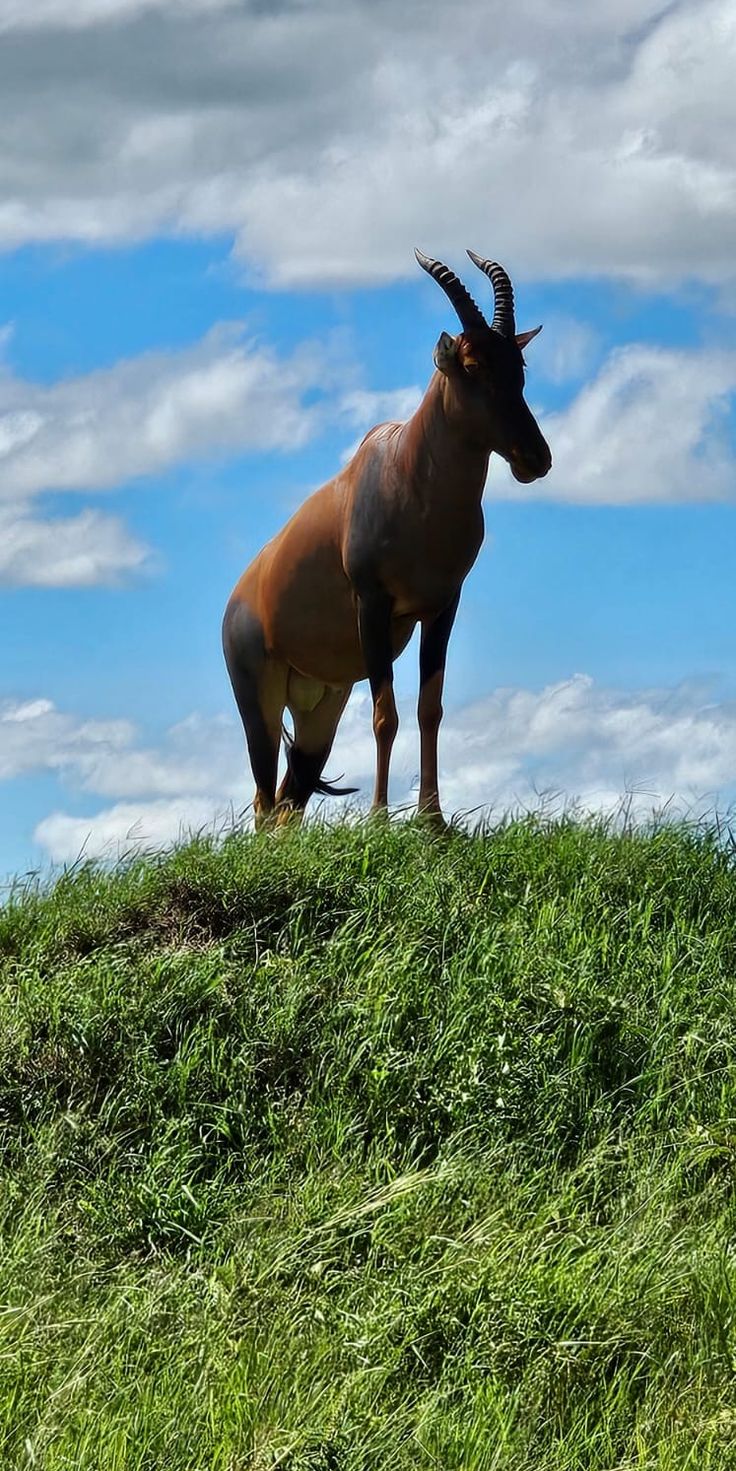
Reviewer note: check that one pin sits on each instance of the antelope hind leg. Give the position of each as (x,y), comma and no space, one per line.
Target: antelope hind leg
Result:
(259,685)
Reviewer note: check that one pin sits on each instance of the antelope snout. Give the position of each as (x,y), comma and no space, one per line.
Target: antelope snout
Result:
(531,464)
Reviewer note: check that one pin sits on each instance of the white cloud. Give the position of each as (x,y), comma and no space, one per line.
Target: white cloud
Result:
(197,756)
(566,351)
(69,551)
(653,426)
(150,412)
(574,740)
(365,407)
(594,744)
(329,138)
(138,418)
(35,736)
(124,829)
(105,756)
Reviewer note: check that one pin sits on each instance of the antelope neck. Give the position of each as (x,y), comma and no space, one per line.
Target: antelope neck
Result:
(434,450)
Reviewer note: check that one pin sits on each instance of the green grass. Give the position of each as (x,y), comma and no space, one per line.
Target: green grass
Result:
(349,1148)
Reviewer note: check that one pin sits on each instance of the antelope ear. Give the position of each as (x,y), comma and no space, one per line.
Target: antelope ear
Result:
(445,352)
(522,338)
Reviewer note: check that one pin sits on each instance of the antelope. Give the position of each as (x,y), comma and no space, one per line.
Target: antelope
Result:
(386,544)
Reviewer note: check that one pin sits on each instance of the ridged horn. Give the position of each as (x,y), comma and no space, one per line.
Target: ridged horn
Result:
(503,294)
(470,314)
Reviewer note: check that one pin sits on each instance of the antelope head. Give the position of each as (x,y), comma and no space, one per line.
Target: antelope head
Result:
(483,368)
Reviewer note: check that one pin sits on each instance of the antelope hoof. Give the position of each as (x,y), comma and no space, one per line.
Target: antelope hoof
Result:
(287,815)
(432,819)
(264,818)
(378,814)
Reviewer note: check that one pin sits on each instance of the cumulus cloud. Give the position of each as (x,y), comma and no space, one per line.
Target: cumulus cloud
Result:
(593,744)
(566,351)
(65,551)
(161,792)
(150,412)
(364,407)
(138,418)
(654,425)
(106,756)
(328,138)
(125,829)
(35,736)
(575,740)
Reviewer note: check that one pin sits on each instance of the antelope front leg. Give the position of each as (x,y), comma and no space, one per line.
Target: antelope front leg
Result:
(432,656)
(374,625)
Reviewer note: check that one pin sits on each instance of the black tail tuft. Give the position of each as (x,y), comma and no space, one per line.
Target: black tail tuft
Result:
(328,789)
(304,774)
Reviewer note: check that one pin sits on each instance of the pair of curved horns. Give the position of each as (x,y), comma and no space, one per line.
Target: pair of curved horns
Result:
(469,313)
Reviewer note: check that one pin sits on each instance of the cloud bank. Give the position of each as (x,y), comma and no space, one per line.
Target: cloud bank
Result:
(327,138)
(571,740)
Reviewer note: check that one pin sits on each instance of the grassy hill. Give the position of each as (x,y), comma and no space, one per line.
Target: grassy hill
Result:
(353,1149)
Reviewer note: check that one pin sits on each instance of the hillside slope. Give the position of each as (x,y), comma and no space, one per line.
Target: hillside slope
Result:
(353,1149)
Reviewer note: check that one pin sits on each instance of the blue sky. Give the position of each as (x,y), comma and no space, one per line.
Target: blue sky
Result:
(209,293)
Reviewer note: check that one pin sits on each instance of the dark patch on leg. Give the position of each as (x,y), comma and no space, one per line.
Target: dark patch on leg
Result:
(243,647)
(374,624)
(432,656)
(435,637)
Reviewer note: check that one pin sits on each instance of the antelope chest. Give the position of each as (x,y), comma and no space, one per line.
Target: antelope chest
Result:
(416,536)
(426,564)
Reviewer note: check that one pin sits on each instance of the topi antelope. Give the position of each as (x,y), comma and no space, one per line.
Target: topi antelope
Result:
(386,544)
